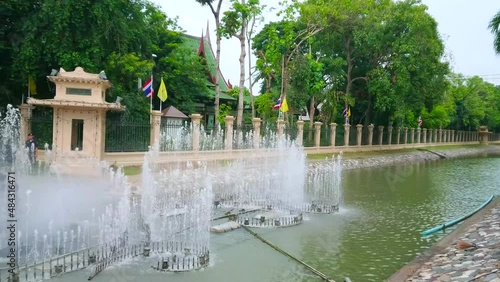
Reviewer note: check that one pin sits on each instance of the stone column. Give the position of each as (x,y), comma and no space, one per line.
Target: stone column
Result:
(370,134)
(281,127)
(445,135)
(380,134)
(452,136)
(412,130)
(347,131)
(195,136)
(424,137)
(440,135)
(256,122)
(154,136)
(389,138)
(418,134)
(435,135)
(333,133)
(317,133)
(406,135)
(398,134)
(300,132)
(25,110)
(359,134)
(229,132)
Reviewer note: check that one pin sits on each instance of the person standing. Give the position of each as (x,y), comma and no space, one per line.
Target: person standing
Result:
(32,147)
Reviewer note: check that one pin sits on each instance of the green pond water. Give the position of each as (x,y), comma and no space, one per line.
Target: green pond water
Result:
(376,232)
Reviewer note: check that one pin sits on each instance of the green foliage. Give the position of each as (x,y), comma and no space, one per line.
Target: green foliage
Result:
(224,111)
(264,105)
(494,27)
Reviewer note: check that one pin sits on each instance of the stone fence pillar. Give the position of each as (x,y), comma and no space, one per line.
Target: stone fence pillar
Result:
(281,127)
(300,132)
(347,131)
(398,135)
(406,135)
(154,137)
(435,133)
(195,131)
(412,135)
(389,137)
(256,122)
(359,134)
(317,133)
(380,134)
(370,134)
(424,135)
(25,110)
(229,132)
(333,133)
(453,136)
(440,135)
(418,134)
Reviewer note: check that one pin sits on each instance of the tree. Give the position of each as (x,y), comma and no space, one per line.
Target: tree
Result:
(235,24)
(216,12)
(494,27)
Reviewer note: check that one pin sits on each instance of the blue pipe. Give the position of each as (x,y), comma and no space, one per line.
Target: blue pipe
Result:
(453,222)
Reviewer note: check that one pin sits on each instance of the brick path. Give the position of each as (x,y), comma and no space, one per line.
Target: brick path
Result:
(481,264)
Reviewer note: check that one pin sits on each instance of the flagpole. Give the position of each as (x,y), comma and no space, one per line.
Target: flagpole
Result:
(159,97)
(151,102)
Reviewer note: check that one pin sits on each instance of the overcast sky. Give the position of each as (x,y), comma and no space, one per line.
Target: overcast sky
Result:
(462,24)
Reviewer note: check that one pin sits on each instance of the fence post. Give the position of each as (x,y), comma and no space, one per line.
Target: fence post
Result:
(424,139)
(440,135)
(256,132)
(398,134)
(359,134)
(370,134)
(25,121)
(333,133)
(419,130)
(195,137)
(412,135)
(229,132)
(389,138)
(300,132)
(406,135)
(347,130)
(317,133)
(452,136)
(155,128)
(380,134)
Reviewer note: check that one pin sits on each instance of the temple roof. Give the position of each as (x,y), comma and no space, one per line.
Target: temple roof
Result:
(202,47)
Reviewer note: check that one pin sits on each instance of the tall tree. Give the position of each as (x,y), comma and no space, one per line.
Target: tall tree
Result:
(235,24)
(216,11)
(494,27)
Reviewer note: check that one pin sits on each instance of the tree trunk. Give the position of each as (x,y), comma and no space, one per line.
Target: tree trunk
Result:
(241,37)
(312,111)
(217,65)
(250,73)
(347,44)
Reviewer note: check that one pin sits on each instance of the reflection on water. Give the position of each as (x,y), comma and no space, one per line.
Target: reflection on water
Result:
(376,232)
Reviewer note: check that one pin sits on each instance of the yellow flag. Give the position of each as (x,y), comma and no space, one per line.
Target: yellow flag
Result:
(162,92)
(284,106)
(349,112)
(32,85)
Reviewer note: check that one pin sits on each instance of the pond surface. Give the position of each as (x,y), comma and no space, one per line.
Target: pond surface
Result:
(376,232)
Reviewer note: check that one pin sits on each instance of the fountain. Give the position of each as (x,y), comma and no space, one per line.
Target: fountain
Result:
(73,222)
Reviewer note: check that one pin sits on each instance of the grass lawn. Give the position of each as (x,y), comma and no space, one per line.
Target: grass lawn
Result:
(358,155)
(132,170)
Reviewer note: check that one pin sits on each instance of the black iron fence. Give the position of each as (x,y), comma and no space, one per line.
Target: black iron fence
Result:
(127,136)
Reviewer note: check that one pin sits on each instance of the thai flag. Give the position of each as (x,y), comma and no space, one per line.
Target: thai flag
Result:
(278,104)
(147,88)
(420,121)
(344,113)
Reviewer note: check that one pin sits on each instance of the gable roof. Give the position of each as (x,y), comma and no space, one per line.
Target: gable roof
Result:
(203,47)
(172,112)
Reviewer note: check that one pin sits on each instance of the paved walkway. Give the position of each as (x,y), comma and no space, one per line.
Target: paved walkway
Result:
(481,264)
